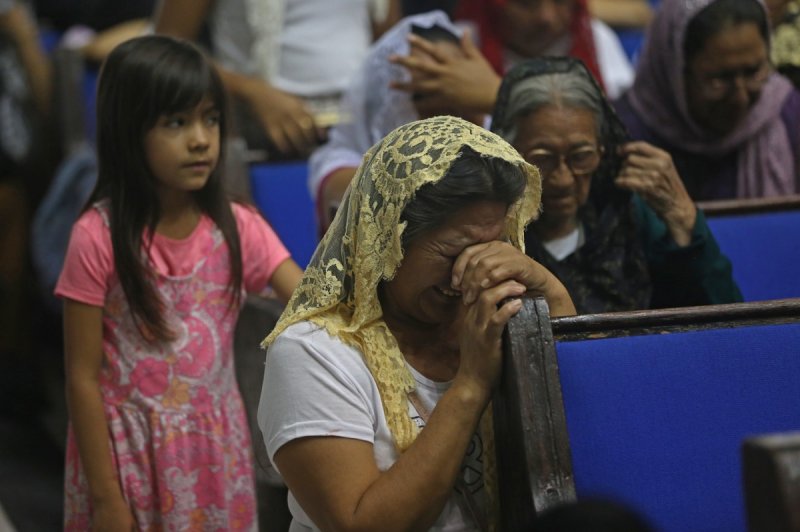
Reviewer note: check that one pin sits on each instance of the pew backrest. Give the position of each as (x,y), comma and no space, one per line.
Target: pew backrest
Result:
(761,237)
(771,469)
(657,404)
(281,193)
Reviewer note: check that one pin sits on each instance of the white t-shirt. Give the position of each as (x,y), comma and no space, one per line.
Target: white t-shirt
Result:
(321,43)
(314,385)
(563,247)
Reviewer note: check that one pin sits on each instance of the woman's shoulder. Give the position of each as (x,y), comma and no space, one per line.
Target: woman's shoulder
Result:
(305,341)
(310,335)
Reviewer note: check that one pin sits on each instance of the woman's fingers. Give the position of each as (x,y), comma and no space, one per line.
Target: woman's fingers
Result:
(426,67)
(427,47)
(489,264)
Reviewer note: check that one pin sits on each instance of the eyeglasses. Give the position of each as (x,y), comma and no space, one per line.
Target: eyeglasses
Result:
(580,161)
(721,84)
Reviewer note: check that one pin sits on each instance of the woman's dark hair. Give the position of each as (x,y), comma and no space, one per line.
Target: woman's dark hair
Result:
(472,177)
(719,15)
(141,80)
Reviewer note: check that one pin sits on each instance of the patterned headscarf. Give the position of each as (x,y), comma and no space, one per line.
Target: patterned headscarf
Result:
(765,157)
(609,272)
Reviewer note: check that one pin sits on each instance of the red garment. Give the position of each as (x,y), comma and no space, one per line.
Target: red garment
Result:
(485,14)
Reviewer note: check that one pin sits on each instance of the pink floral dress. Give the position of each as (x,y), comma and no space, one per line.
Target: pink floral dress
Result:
(178,432)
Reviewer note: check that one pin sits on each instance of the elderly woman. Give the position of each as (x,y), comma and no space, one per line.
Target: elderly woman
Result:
(396,326)
(374,109)
(705,92)
(617,226)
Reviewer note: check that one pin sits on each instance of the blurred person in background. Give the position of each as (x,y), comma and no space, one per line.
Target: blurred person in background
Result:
(374,108)
(286,61)
(25,101)
(706,93)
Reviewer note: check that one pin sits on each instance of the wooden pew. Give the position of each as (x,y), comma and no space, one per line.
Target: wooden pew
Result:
(648,408)
(760,237)
(533,457)
(771,469)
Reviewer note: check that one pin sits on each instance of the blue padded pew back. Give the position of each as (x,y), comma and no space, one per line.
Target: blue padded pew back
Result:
(280,192)
(764,249)
(656,421)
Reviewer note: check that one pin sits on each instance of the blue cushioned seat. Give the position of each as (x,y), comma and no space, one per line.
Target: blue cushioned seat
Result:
(657,421)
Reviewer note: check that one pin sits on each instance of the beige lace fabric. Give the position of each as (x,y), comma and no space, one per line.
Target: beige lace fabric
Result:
(339,290)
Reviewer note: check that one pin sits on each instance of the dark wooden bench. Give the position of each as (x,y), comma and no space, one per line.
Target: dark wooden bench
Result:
(648,409)
(771,469)
(257,319)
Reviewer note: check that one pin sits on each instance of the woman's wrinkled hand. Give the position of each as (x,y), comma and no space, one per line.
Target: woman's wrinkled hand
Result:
(492,276)
(481,336)
(489,264)
(650,172)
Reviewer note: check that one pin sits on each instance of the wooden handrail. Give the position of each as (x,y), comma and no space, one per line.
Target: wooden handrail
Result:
(749,206)
(614,324)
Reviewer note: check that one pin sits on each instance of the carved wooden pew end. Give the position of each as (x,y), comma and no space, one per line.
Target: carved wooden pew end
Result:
(771,475)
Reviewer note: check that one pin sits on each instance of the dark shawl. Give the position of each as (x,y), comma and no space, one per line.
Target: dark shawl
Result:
(609,272)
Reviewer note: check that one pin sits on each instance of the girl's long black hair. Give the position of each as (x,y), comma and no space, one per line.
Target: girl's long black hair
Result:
(141,80)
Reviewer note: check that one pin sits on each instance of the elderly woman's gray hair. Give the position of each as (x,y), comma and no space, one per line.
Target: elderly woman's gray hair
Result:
(563,89)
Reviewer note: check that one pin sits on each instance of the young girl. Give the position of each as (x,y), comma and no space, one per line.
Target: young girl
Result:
(152,283)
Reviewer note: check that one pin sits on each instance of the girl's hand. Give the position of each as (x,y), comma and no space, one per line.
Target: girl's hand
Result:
(285,118)
(651,173)
(464,80)
(487,265)
(112,515)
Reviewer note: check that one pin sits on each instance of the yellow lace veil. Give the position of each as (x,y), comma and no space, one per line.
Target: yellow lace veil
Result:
(339,290)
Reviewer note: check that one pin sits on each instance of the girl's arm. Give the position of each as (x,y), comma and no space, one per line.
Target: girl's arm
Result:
(83,348)
(285,279)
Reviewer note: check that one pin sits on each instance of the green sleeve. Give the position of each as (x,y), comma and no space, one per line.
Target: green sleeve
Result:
(698,274)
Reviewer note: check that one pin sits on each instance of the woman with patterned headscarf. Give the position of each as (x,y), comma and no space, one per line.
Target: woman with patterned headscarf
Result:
(706,93)
(397,326)
(617,226)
